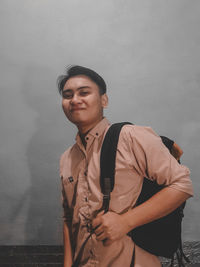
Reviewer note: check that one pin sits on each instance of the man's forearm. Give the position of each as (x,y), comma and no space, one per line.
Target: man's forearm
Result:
(112,226)
(156,207)
(67,246)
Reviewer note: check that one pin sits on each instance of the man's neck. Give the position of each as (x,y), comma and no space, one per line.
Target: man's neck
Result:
(82,136)
(85,129)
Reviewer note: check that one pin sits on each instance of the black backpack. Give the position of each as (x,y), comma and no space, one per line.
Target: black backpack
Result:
(161,237)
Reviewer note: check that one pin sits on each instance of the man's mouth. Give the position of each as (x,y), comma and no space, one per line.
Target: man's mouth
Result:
(76,109)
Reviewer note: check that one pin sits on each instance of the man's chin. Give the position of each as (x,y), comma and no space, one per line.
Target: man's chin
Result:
(77,122)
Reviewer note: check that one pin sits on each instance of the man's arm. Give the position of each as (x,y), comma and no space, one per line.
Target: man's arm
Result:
(151,159)
(67,246)
(112,226)
(68,259)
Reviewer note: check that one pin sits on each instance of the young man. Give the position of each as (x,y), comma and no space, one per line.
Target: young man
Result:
(140,154)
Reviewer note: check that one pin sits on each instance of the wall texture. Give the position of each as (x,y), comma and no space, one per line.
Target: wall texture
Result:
(147,51)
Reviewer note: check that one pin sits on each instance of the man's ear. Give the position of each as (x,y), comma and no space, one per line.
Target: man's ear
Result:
(104,100)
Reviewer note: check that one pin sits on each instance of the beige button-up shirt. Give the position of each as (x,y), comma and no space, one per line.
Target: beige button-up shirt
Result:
(140,154)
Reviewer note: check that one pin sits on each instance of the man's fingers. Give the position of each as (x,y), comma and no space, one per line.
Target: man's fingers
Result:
(98,230)
(101,236)
(97,221)
(100,213)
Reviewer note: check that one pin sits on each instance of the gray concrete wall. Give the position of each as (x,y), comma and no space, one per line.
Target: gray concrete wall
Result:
(147,51)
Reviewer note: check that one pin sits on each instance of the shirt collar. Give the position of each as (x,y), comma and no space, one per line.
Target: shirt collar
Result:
(97,131)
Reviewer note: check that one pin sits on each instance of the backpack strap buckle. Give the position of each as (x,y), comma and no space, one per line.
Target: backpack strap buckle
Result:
(106,200)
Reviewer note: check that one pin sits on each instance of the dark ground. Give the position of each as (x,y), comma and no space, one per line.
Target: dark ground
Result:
(46,256)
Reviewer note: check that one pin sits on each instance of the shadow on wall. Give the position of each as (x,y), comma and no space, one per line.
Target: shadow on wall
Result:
(43,225)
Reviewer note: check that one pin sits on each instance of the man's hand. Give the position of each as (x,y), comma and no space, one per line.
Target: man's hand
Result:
(109,227)
(67,246)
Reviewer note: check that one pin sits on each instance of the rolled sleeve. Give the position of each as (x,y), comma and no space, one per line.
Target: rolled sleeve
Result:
(67,214)
(180,178)
(153,160)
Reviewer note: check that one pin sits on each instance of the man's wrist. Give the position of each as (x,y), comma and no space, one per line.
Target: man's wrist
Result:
(127,222)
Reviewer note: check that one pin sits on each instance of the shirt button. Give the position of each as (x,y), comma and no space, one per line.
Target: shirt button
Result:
(97,134)
(87,138)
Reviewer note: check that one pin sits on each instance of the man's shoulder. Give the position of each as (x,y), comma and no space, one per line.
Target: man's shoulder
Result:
(135,130)
(134,135)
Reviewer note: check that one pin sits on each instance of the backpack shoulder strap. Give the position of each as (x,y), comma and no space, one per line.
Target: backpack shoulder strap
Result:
(167,142)
(107,161)
(108,158)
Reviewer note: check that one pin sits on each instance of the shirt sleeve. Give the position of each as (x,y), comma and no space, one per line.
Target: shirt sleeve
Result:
(67,214)
(152,159)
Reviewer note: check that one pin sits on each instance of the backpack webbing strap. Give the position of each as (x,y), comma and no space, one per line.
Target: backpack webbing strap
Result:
(107,161)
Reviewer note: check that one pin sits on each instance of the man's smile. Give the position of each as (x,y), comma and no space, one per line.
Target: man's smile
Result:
(76,109)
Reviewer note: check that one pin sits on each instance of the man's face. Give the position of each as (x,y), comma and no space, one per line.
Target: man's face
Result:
(82,103)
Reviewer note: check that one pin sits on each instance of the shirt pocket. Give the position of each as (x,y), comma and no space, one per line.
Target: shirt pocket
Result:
(69,186)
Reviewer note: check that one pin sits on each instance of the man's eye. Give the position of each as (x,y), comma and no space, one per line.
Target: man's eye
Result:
(84,93)
(67,95)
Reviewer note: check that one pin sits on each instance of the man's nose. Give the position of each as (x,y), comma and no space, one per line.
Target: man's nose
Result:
(75,99)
